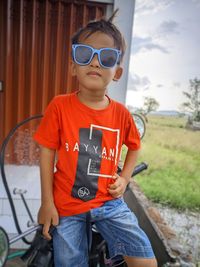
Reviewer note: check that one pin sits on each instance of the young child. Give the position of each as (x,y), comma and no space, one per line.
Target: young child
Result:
(87,129)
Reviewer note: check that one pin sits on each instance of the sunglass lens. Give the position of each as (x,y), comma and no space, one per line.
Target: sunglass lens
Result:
(83,54)
(108,58)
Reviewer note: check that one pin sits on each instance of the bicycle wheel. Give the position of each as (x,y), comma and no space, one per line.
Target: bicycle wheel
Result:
(19,165)
(140,124)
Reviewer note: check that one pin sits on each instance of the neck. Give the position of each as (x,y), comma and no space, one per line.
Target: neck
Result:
(95,100)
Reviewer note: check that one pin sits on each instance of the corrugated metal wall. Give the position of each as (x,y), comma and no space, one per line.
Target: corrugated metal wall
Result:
(35,53)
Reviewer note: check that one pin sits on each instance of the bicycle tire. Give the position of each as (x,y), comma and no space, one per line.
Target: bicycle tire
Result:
(140,124)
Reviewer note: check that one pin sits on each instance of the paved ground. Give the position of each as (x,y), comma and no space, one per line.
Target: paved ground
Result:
(15,263)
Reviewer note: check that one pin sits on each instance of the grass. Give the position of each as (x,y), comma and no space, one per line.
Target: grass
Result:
(173,155)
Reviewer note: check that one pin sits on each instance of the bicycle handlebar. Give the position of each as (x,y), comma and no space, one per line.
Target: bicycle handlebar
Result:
(139,168)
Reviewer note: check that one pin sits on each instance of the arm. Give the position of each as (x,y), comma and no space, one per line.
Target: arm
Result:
(129,164)
(118,188)
(47,214)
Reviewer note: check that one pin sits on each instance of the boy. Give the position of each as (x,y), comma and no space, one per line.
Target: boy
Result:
(87,129)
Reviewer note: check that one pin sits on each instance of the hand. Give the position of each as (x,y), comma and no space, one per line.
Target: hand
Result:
(118,188)
(48,216)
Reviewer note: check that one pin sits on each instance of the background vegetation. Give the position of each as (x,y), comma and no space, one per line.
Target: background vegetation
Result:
(173,155)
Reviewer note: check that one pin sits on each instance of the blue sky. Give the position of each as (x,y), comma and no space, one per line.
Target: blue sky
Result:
(165,51)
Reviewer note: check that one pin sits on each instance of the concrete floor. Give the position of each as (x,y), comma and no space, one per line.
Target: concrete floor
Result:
(15,263)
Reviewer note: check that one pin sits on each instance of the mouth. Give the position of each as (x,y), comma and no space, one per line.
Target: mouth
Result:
(94,73)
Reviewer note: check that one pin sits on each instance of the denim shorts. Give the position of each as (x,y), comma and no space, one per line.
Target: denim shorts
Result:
(116,223)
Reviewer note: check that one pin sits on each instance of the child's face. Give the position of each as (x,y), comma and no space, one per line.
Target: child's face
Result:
(93,76)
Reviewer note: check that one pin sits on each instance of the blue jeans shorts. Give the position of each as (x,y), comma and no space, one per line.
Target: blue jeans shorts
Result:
(115,222)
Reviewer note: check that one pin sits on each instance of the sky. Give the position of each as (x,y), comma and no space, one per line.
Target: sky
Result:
(165,52)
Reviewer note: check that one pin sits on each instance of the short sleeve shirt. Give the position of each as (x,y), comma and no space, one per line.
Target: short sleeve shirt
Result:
(88,144)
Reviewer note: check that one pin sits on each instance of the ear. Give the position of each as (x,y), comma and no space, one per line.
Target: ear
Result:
(118,74)
(73,68)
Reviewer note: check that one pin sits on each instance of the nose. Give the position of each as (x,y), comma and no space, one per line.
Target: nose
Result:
(95,61)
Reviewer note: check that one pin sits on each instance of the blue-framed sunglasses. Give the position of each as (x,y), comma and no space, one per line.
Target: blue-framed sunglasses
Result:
(83,55)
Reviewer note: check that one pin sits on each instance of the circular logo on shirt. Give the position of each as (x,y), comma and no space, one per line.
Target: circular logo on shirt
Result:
(83,191)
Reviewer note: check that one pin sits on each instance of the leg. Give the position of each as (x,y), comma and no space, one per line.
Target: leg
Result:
(120,229)
(138,262)
(70,242)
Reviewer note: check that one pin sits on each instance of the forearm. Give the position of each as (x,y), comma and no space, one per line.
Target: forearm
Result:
(118,188)
(47,158)
(129,164)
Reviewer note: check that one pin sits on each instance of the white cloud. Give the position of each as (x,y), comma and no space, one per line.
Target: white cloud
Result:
(144,44)
(197,2)
(138,83)
(151,6)
(177,84)
(168,27)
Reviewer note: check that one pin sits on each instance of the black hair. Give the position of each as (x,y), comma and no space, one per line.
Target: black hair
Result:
(104,26)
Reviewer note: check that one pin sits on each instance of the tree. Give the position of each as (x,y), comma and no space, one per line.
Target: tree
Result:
(193,103)
(150,104)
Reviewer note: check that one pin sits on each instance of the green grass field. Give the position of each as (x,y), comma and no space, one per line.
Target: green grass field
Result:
(173,155)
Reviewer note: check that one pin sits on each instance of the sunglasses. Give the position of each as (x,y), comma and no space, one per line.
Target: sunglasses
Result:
(83,55)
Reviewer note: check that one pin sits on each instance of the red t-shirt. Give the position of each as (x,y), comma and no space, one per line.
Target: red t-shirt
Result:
(88,143)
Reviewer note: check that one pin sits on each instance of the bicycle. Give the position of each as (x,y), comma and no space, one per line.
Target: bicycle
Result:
(19,148)
(40,251)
